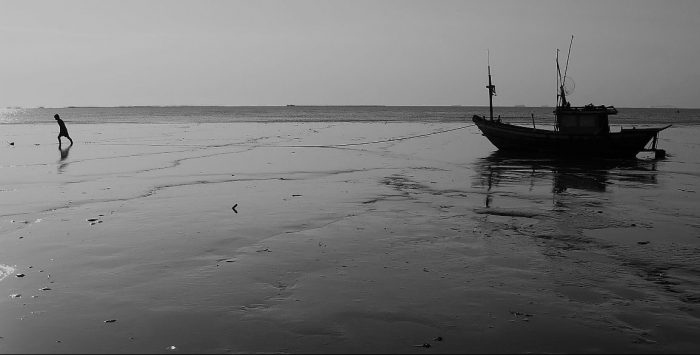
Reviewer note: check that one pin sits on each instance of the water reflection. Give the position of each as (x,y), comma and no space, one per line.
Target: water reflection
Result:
(64,155)
(502,171)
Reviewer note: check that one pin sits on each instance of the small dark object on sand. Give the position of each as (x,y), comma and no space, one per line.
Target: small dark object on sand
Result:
(110,320)
(12,143)
(234,208)
(643,243)
(19,275)
(438,339)
(521,316)
(424,345)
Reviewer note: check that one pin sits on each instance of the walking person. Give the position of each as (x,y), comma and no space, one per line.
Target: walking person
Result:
(63,131)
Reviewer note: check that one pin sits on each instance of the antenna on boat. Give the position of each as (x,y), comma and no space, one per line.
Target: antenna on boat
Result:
(491,87)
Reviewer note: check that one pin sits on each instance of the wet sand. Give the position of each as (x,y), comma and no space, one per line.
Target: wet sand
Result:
(129,242)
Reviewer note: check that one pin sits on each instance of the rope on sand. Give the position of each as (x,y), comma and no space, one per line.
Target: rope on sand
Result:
(372,142)
(294,146)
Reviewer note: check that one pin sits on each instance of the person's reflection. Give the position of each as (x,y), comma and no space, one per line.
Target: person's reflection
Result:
(64,155)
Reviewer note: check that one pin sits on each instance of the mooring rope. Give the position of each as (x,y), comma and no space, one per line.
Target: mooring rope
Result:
(290,145)
(371,142)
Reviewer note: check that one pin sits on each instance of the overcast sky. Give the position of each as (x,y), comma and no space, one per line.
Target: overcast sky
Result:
(632,53)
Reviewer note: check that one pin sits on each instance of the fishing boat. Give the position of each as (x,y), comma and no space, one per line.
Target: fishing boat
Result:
(578,131)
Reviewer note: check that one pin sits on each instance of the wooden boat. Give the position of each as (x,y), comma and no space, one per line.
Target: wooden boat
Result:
(578,131)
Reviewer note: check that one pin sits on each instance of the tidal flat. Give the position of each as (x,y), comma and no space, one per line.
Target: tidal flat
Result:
(300,238)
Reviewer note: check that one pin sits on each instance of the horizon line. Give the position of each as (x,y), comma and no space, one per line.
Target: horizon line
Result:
(330,105)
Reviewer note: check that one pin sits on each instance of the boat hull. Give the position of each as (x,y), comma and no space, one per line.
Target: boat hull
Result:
(511,138)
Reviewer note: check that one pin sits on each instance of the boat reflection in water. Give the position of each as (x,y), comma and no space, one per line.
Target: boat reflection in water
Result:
(520,177)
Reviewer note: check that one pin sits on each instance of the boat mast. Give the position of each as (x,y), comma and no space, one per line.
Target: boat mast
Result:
(562,80)
(491,87)
(558,79)
(566,69)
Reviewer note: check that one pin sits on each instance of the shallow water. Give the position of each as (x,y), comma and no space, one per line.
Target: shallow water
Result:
(416,114)
(370,248)
(619,236)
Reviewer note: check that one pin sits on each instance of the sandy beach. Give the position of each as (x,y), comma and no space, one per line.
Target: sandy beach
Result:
(260,237)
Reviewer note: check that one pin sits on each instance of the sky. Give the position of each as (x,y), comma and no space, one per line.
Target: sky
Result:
(626,53)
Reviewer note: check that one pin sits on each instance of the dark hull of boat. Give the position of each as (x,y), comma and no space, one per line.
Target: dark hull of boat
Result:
(510,138)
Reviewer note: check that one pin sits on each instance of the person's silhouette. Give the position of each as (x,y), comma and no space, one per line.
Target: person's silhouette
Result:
(63,131)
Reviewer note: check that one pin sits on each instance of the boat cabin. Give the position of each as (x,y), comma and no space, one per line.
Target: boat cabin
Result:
(587,119)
